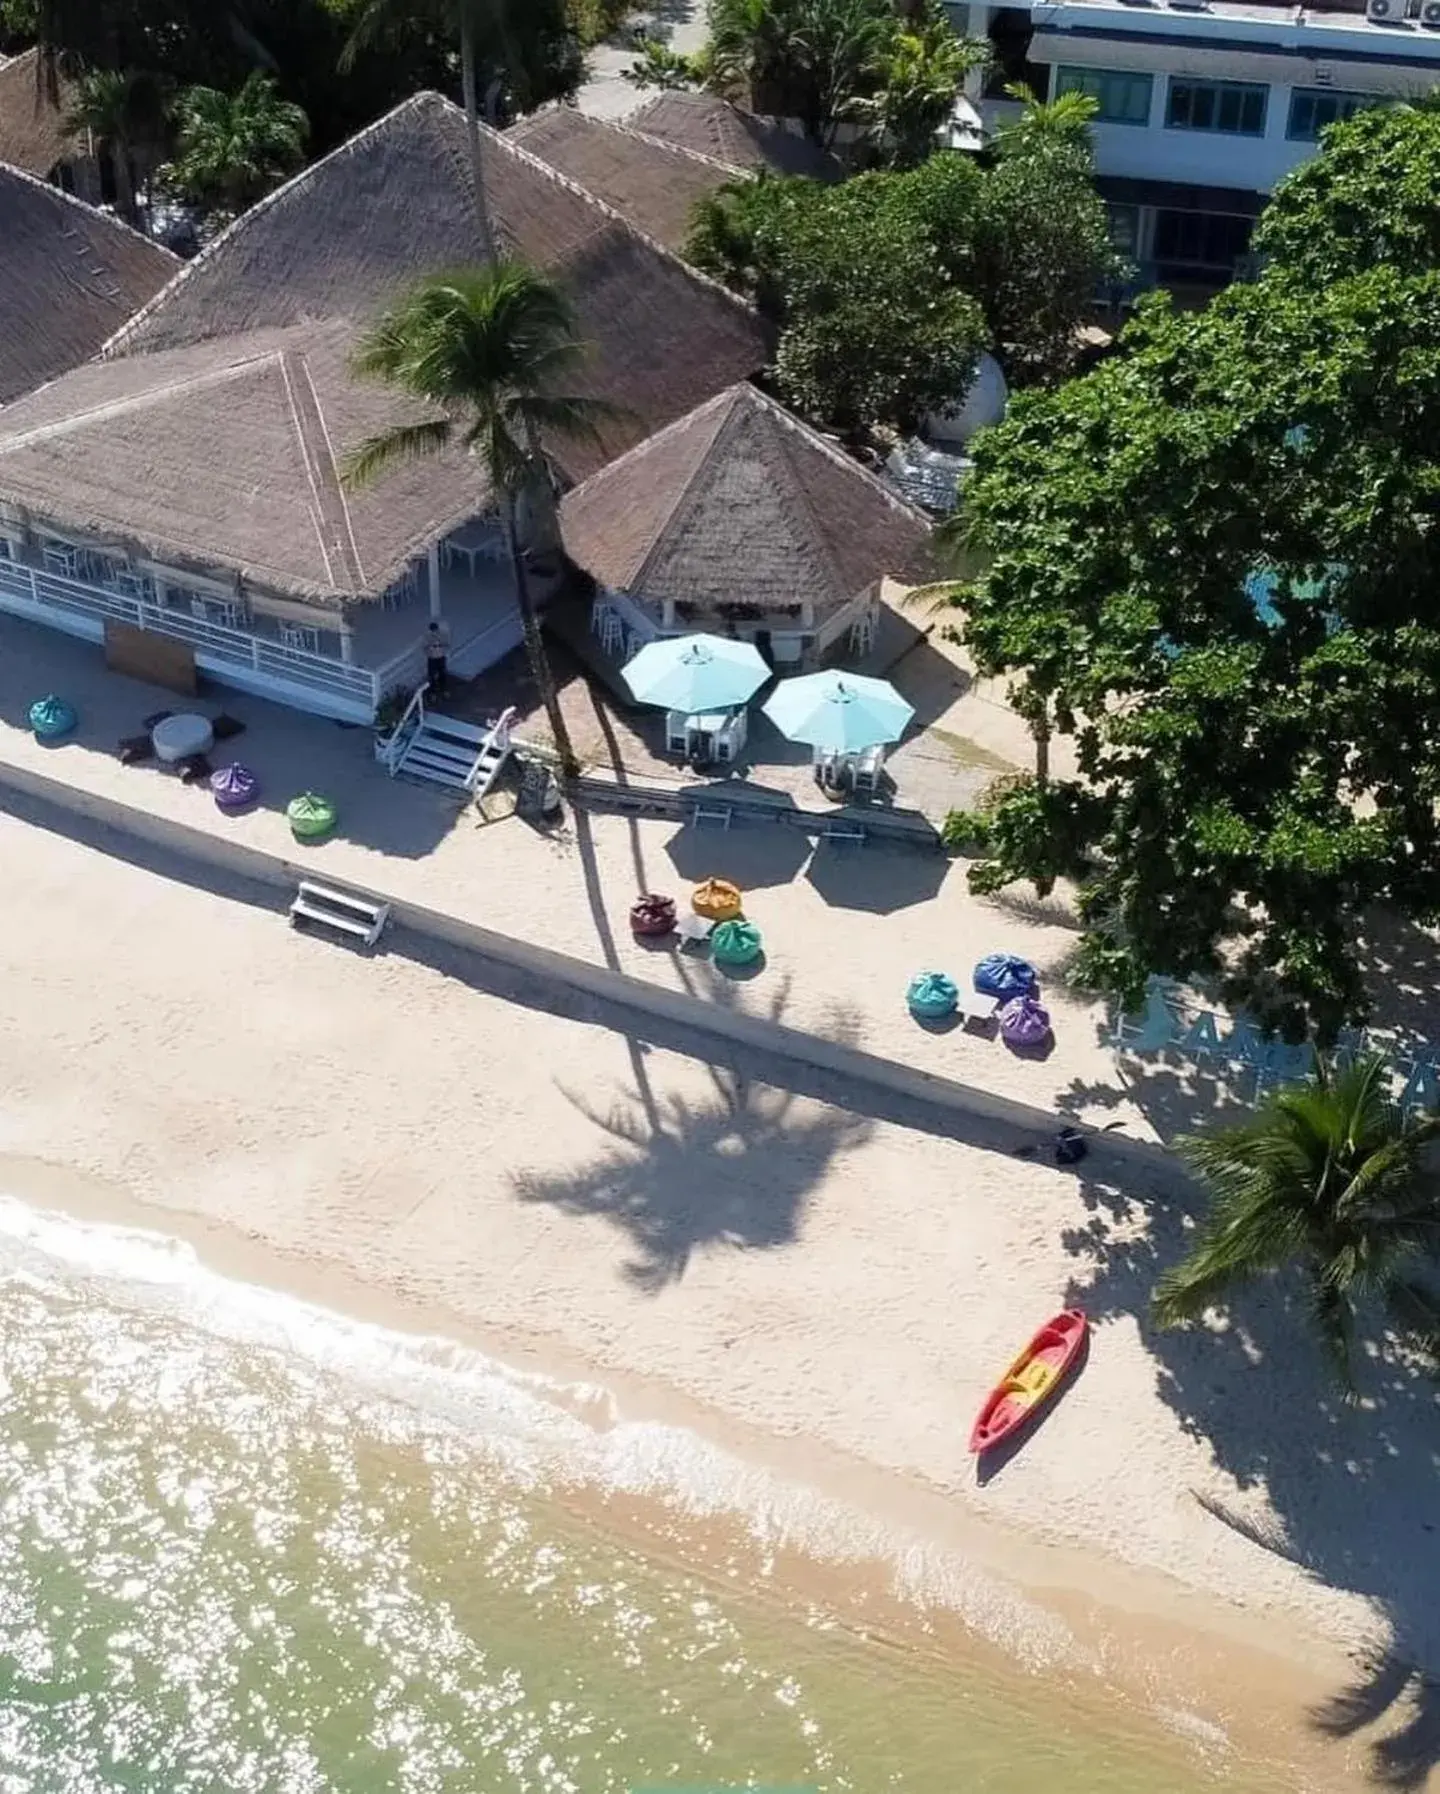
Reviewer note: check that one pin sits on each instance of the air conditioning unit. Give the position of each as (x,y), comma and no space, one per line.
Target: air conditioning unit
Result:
(1323,75)
(1430,14)
(1385,12)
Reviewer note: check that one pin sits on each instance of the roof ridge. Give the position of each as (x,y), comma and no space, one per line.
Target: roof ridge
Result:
(8,171)
(622,128)
(419,102)
(684,500)
(333,526)
(793,421)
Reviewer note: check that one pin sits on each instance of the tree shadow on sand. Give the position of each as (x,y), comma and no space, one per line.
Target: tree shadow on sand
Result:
(677,1176)
(1348,1491)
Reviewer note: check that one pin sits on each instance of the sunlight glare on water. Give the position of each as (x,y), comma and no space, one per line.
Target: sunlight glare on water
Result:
(225,1567)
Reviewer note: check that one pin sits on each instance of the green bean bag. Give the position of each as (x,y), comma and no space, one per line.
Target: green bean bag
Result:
(311,817)
(735,943)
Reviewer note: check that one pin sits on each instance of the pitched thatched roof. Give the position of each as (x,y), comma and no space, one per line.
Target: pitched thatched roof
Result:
(229,400)
(655,185)
(69,276)
(712,127)
(740,501)
(32,128)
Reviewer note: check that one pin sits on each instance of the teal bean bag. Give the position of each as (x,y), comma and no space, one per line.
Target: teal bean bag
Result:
(932,996)
(311,817)
(735,943)
(52,717)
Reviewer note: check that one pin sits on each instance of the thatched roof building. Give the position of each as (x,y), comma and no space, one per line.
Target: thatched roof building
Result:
(708,126)
(212,432)
(656,185)
(32,126)
(741,502)
(69,278)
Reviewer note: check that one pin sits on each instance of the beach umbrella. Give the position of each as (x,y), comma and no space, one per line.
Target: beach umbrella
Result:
(694,673)
(841,711)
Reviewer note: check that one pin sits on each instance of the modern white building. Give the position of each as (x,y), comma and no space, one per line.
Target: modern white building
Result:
(1203,105)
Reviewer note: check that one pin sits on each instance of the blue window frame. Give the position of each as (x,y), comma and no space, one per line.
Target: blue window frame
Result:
(1121,98)
(1311,110)
(1236,108)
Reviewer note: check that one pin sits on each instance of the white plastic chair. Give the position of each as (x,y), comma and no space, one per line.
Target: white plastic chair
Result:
(866,773)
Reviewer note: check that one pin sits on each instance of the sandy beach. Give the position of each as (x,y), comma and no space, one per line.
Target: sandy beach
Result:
(829,1291)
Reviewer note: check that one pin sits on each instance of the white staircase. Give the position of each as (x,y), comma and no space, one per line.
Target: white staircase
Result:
(445,751)
(347,912)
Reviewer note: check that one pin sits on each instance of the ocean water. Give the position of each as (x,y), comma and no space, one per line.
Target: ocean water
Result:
(246,1546)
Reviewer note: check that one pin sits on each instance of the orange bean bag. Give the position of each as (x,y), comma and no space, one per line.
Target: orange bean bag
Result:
(716,899)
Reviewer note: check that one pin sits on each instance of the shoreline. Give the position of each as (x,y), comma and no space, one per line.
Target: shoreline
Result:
(1119,1640)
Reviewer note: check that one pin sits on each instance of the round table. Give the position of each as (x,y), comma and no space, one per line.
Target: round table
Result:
(178,737)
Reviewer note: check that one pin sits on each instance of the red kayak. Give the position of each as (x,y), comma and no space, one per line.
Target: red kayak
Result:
(1031,1380)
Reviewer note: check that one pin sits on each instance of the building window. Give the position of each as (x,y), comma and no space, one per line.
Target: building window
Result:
(1201,242)
(1311,111)
(1123,225)
(1234,107)
(1120,98)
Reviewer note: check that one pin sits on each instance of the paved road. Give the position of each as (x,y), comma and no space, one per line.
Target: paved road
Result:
(680,23)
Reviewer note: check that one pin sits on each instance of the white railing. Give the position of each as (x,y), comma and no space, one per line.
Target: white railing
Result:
(27,592)
(499,737)
(392,751)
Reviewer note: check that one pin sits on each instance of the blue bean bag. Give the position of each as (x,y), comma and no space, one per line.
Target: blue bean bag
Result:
(1005,976)
(52,717)
(932,996)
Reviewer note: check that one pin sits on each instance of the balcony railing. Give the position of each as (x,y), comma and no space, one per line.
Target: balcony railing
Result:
(250,661)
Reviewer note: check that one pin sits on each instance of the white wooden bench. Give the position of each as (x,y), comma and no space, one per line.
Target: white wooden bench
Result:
(347,912)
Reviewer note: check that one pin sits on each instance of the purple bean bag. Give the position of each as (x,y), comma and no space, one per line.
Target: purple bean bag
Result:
(1024,1023)
(233,787)
(1003,975)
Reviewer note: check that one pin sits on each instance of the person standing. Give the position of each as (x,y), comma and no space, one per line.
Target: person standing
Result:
(437,653)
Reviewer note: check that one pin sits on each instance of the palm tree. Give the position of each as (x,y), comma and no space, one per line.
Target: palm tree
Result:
(1331,1176)
(234,147)
(465,18)
(492,350)
(813,59)
(121,112)
(1063,121)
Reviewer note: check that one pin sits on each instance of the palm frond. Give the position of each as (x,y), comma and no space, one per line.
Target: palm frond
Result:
(406,442)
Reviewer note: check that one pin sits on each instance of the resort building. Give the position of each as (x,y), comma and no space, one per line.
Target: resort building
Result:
(69,278)
(713,127)
(180,497)
(740,520)
(33,137)
(654,184)
(1202,105)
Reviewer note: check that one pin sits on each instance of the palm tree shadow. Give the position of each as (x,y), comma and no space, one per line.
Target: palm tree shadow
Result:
(1387,1684)
(678,1176)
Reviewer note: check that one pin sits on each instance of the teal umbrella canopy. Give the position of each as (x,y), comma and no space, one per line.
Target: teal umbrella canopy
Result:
(841,711)
(695,672)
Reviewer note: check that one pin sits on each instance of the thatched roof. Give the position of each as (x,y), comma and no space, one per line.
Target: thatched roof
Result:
(741,502)
(32,128)
(69,277)
(656,185)
(229,400)
(713,127)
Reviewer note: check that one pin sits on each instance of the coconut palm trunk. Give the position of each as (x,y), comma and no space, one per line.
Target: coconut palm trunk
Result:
(470,95)
(540,668)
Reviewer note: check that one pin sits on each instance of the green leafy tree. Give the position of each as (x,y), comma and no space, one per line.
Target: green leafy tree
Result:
(490,352)
(806,59)
(1211,564)
(657,65)
(234,147)
(921,72)
(125,114)
(1330,1179)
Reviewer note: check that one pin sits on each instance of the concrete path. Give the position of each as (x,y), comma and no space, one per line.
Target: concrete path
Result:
(607,94)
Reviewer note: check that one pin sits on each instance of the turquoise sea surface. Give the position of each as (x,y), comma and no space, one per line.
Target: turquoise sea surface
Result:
(245,1546)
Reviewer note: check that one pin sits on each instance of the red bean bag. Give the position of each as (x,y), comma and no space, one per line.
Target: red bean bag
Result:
(653,914)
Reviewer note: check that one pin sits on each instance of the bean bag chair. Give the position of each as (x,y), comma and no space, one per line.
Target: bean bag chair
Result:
(735,943)
(717,900)
(1024,1023)
(52,717)
(1003,975)
(233,787)
(653,914)
(932,996)
(311,817)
